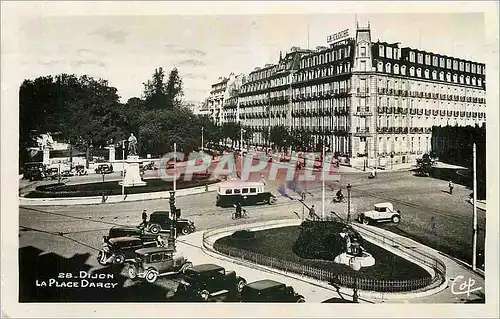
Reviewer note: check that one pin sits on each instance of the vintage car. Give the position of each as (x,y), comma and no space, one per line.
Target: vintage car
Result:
(52,173)
(247,193)
(269,291)
(382,212)
(68,173)
(160,220)
(201,282)
(104,169)
(120,231)
(34,171)
(119,249)
(150,263)
(80,170)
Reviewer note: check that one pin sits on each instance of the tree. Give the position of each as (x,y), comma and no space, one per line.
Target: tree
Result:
(279,136)
(248,135)
(159,94)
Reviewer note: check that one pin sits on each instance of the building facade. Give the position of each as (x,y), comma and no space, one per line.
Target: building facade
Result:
(371,102)
(223,99)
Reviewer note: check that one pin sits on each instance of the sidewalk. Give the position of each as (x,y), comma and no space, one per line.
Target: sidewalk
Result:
(316,292)
(453,272)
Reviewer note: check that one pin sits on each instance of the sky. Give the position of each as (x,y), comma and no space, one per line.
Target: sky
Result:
(125,49)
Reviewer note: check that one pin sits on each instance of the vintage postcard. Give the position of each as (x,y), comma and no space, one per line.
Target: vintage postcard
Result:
(216,159)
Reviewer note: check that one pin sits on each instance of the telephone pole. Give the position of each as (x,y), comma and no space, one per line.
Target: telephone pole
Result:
(474,230)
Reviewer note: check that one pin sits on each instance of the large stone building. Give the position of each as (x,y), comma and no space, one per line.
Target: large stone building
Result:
(368,101)
(223,98)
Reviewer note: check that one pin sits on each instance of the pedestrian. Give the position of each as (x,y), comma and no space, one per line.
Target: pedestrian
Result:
(160,241)
(450,185)
(238,210)
(144,218)
(312,212)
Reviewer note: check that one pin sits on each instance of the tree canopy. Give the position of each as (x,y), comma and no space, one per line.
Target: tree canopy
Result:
(86,111)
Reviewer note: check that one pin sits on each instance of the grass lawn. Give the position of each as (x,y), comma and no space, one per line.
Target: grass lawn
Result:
(278,243)
(113,188)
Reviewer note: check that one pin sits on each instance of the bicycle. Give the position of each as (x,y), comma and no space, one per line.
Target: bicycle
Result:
(244,214)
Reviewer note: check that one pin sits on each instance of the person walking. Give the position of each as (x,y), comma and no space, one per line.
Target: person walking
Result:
(312,212)
(450,185)
(238,210)
(144,219)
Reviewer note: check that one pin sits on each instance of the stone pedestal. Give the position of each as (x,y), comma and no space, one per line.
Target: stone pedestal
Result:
(46,156)
(112,157)
(132,176)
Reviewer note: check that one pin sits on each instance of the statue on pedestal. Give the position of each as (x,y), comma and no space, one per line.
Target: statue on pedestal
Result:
(132,145)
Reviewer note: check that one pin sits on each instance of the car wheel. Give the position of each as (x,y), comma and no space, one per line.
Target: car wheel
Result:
(100,258)
(272,200)
(151,276)
(240,284)
(132,272)
(119,259)
(185,230)
(301,300)
(204,294)
(395,219)
(366,221)
(155,229)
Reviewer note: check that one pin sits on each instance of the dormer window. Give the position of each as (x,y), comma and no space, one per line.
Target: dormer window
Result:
(412,56)
(380,66)
(389,52)
(388,68)
(381,51)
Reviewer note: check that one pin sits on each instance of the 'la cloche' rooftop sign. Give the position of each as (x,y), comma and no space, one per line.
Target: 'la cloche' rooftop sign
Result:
(338,36)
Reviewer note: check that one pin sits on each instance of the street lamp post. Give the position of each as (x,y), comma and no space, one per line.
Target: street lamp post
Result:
(202,130)
(349,203)
(356,266)
(123,167)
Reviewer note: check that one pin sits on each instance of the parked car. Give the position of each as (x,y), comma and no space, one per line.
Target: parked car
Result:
(52,173)
(247,193)
(150,263)
(68,173)
(269,291)
(34,171)
(120,231)
(201,282)
(80,170)
(382,212)
(119,249)
(104,169)
(160,220)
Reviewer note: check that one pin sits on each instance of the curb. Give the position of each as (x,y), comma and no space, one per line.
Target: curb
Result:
(362,293)
(94,200)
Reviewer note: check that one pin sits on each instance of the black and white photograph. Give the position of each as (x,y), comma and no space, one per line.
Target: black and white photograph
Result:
(199,153)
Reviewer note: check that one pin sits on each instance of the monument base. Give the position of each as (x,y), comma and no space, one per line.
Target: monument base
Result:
(132,175)
(366,259)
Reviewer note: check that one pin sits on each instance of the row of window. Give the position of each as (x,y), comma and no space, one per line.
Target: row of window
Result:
(326,57)
(442,62)
(448,76)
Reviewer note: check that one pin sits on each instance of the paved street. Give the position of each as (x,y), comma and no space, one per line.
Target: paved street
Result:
(71,230)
